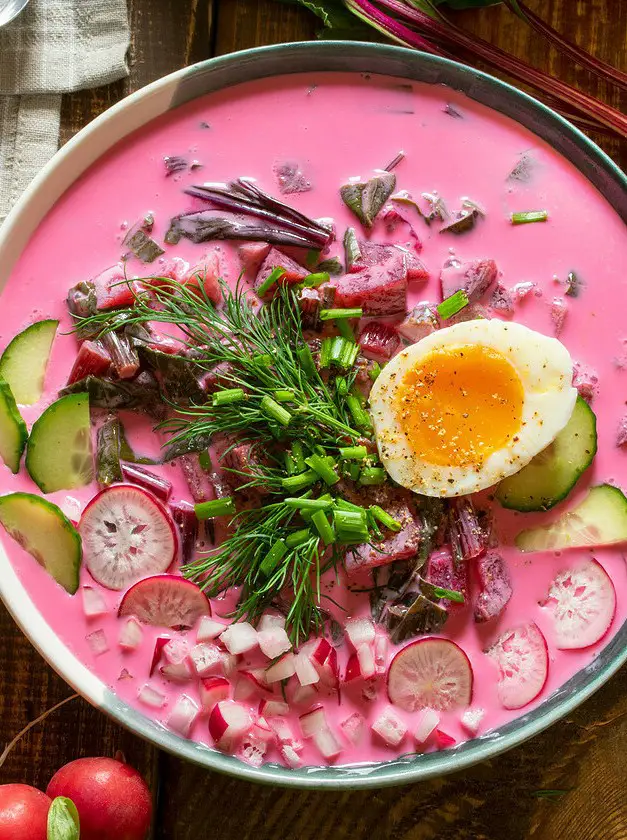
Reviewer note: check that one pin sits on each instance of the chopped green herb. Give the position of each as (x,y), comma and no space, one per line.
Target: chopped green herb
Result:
(385,519)
(529,216)
(452,305)
(284,395)
(449,594)
(345,329)
(374,371)
(353,453)
(360,417)
(320,465)
(228,396)
(372,475)
(299,456)
(275,411)
(273,558)
(335,314)
(270,280)
(297,538)
(294,483)
(216,507)
(316,279)
(204,459)
(324,527)
(351,526)
(301,503)
(341,385)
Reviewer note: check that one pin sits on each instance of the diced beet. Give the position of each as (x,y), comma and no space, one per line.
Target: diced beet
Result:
(502,301)
(372,253)
(185,517)
(495,586)
(207,274)
(363,380)
(442,571)
(472,312)
(310,304)
(123,354)
(155,484)
(468,539)
(621,434)
(379,341)
(252,254)
(112,288)
(199,484)
(586,381)
(294,272)
(91,360)
(241,460)
(473,276)
(172,268)
(416,270)
(380,289)
(397,546)
(419,323)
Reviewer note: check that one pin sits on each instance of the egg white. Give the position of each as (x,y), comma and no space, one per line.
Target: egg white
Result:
(545,369)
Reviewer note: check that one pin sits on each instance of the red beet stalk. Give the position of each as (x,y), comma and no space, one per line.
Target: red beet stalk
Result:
(185,517)
(160,487)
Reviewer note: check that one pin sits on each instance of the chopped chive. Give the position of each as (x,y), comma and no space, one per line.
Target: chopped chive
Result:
(452,305)
(385,519)
(319,449)
(338,345)
(284,395)
(325,352)
(300,481)
(297,538)
(372,475)
(290,464)
(341,385)
(262,359)
(323,527)
(216,507)
(529,216)
(270,280)
(450,594)
(321,466)
(345,329)
(316,279)
(351,526)
(352,251)
(361,397)
(306,360)
(204,460)
(362,421)
(228,396)
(301,503)
(374,371)
(373,525)
(272,409)
(342,504)
(273,558)
(349,354)
(336,314)
(353,470)
(353,453)
(299,456)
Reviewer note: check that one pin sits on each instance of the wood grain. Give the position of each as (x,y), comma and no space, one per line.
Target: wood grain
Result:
(496,800)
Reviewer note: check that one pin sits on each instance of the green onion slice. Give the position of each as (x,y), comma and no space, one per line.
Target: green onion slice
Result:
(216,507)
(452,305)
(270,280)
(529,216)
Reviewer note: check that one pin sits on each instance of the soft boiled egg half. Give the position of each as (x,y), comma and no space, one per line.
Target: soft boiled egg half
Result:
(469,405)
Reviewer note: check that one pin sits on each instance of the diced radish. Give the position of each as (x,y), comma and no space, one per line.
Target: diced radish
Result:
(284,733)
(229,664)
(327,743)
(206,659)
(247,686)
(390,727)
(365,656)
(293,272)
(381,644)
(305,669)
(443,739)
(94,603)
(273,708)
(353,727)
(125,674)
(360,631)
(274,642)
(209,629)
(151,697)
(302,695)
(97,642)
(131,634)
(281,670)
(252,750)
(430,672)
(370,690)
(471,720)
(183,716)
(252,254)
(270,620)
(228,721)
(324,658)
(176,651)
(523,661)
(314,725)
(160,643)
(582,601)
(166,601)
(473,276)
(495,587)
(353,669)
(212,690)
(319,650)
(313,721)
(112,288)
(159,487)
(177,671)
(419,323)
(290,756)
(91,360)
(428,721)
(239,637)
(126,534)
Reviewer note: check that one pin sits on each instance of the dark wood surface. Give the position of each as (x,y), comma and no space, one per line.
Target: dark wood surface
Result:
(583,755)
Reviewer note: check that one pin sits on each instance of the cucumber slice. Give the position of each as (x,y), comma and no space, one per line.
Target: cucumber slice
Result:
(551,475)
(601,519)
(59,454)
(13,431)
(23,363)
(43,530)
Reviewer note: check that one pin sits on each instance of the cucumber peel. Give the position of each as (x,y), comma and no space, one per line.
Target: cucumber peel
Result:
(600,519)
(23,363)
(59,453)
(551,475)
(43,530)
(13,431)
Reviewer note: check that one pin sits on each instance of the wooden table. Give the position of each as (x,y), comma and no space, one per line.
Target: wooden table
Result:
(498,800)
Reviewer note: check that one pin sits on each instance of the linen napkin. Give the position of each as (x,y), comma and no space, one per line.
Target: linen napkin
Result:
(52,47)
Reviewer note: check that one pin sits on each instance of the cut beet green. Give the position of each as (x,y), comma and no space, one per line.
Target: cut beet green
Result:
(23,363)
(551,475)
(59,453)
(13,431)
(600,519)
(43,530)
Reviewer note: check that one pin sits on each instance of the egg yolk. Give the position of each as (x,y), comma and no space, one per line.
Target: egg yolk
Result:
(460,404)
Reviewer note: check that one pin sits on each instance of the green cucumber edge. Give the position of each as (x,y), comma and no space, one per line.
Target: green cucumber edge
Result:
(15,344)
(6,396)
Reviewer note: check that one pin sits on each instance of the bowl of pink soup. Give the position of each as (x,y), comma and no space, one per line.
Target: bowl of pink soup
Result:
(312,415)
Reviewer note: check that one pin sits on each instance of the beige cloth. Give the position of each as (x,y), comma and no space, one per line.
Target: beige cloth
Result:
(52,47)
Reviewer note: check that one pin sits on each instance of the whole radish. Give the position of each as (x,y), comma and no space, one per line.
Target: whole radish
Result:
(112,799)
(23,813)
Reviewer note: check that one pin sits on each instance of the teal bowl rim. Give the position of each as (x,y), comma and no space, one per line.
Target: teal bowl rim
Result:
(214,74)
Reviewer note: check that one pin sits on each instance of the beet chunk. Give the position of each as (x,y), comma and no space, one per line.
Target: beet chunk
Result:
(379,289)
(442,571)
(240,460)
(294,272)
(419,323)
(379,341)
(91,360)
(473,276)
(394,546)
(495,586)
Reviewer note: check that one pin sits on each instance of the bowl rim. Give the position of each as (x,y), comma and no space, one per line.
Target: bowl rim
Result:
(176,89)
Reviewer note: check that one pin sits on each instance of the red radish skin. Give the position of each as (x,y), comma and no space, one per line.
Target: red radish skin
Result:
(165,601)
(522,657)
(23,813)
(111,798)
(434,673)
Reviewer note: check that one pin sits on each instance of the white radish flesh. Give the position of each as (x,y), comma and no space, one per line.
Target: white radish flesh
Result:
(305,669)
(274,642)
(209,629)
(360,631)
(165,601)
(428,721)
(281,670)
(365,657)
(523,662)
(353,728)
(313,721)
(183,716)
(389,727)
(212,690)
(239,637)
(151,697)
(471,720)
(228,722)
(273,708)
(94,603)
(97,642)
(207,659)
(131,635)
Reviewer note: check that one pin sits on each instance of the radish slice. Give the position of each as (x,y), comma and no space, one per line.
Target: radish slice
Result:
(165,601)
(126,535)
(151,697)
(184,714)
(430,672)
(429,720)
(522,657)
(94,603)
(314,725)
(389,727)
(247,686)
(444,740)
(228,722)
(583,602)
(312,721)
(131,635)
(212,690)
